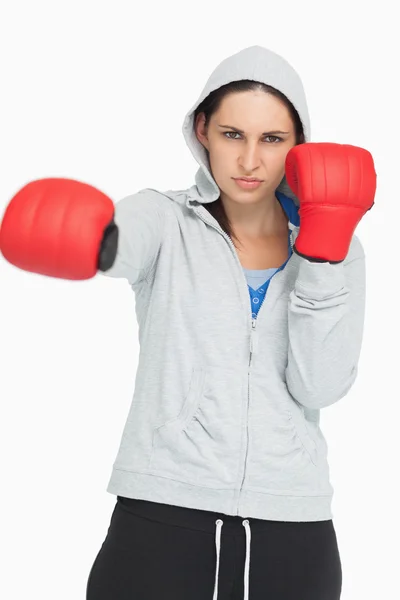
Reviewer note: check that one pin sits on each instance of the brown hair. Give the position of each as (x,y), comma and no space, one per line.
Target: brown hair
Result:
(211,104)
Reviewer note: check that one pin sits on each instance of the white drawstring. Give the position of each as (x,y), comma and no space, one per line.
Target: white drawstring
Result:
(218,546)
(246,525)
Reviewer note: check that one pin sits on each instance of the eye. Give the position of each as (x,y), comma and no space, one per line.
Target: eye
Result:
(227,133)
(275,137)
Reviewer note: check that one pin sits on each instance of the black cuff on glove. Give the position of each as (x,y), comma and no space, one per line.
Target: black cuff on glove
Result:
(108,248)
(315,259)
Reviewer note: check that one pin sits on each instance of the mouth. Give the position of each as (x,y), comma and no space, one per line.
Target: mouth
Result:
(249,179)
(247,184)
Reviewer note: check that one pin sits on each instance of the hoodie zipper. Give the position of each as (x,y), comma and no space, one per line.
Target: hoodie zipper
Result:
(253,332)
(253,338)
(253,348)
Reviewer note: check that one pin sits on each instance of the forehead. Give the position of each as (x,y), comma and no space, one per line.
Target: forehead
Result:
(253,110)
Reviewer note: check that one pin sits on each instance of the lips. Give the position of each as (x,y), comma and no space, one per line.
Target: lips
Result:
(247,185)
(245,179)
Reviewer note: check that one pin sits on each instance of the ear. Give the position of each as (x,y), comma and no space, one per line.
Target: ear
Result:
(200,129)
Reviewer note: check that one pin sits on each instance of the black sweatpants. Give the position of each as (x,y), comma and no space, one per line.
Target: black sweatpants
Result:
(156,551)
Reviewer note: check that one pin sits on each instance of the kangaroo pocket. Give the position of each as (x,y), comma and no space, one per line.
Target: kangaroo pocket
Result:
(283,457)
(201,445)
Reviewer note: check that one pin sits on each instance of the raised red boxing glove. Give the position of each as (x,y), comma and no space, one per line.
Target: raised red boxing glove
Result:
(335,185)
(60,228)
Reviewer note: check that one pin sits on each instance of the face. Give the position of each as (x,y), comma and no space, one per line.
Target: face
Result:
(258,151)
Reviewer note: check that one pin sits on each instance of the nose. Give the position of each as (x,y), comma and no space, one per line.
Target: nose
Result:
(250,158)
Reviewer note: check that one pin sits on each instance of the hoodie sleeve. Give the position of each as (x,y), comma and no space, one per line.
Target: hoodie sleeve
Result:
(140,219)
(326,322)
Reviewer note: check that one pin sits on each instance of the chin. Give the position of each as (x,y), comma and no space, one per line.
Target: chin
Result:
(246,197)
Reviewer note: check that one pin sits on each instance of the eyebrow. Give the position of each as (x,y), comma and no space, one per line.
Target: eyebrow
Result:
(265,132)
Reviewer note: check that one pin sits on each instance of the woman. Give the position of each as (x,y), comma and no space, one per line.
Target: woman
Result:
(221,477)
(232,452)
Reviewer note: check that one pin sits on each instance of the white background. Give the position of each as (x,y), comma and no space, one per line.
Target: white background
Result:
(97,91)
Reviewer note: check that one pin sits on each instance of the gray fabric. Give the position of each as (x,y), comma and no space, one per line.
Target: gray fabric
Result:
(205,429)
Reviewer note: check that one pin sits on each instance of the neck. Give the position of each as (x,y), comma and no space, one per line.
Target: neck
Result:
(258,220)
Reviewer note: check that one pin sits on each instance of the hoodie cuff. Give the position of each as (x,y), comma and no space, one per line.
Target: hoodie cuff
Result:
(318,280)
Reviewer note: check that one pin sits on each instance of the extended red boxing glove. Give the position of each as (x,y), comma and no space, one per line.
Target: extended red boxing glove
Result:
(335,185)
(61,228)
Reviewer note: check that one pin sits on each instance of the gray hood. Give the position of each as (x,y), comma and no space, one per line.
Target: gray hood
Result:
(255,63)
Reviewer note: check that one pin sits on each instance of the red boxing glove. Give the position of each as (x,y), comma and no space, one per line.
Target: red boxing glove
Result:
(61,228)
(335,185)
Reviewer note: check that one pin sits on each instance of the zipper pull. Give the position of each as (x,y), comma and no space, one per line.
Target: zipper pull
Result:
(253,337)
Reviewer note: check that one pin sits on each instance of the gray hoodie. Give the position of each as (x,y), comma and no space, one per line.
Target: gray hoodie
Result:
(225,410)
